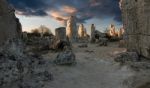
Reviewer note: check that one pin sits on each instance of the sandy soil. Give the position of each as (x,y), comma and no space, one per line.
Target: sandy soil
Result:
(95,68)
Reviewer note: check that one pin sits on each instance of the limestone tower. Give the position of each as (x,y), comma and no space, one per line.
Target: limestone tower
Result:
(112,30)
(85,32)
(92,33)
(71,29)
(81,31)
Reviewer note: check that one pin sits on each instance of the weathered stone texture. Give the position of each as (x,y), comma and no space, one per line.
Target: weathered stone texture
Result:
(61,34)
(81,31)
(71,29)
(18,70)
(92,33)
(9,24)
(65,58)
(136,19)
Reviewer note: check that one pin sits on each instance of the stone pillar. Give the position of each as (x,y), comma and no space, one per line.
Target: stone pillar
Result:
(92,33)
(81,31)
(112,30)
(61,33)
(120,33)
(85,32)
(71,29)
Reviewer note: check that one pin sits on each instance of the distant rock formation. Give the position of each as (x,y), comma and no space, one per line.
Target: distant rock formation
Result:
(120,32)
(92,33)
(60,34)
(85,33)
(71,29)
(81,31)
(112,30)
(61,41)
(10,26)
(136,20)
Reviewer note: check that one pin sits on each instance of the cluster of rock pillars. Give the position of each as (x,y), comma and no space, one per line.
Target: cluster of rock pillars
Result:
(18,69)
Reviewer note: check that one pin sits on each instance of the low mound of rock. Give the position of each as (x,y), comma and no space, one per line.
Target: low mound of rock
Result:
(127,57)
(83,46)
(102,42)
(65,58)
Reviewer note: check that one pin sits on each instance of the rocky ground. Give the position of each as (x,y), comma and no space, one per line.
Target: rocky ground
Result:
(96,68)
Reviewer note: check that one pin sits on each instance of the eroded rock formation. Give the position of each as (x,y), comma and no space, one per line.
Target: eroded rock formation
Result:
(112,30)
(65,58)
(17,70)
(60,34)
(93,33)
(136,19)
(81,31)
(10,27)
(71,29)
(61,41)
(85,32)
(121,32)
(82,34)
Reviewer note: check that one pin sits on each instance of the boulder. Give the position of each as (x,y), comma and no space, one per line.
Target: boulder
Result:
(127,57)
(65,58)
(99,34)
(60,45)
(102,42)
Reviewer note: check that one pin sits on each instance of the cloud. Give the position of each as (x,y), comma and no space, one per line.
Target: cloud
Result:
(30,7)
(68,9)
(94,3)
(58,15)
(61,9)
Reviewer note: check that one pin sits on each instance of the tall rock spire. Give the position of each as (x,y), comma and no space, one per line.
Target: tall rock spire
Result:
(71,29)
(92,33)
(81,31)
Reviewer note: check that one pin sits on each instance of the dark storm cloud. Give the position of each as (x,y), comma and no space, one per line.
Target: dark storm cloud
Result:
(83,9)
(30,7)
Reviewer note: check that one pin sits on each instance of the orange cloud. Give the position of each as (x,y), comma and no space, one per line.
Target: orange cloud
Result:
(58,15)
(69,9)
(62,14)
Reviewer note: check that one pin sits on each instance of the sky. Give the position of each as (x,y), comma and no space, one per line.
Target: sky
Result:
(54,13)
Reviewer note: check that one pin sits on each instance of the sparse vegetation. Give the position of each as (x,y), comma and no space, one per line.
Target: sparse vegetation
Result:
(41,31)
